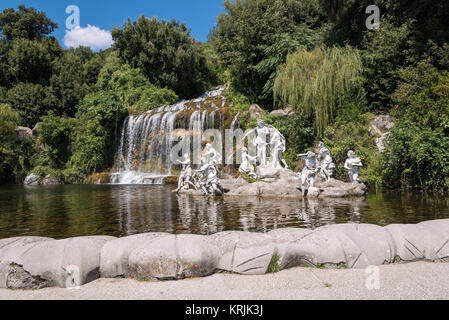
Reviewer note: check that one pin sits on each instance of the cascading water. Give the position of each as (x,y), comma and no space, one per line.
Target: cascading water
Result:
(143,155)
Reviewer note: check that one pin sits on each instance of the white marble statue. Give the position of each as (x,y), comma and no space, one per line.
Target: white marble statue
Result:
(210,184)
(353,165)
(247,165)
(212,155)
(309,172)
(262,132)
(327,165)
(278,147)
(186,179)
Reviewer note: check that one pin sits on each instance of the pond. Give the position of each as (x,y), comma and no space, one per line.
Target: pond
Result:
(70,211)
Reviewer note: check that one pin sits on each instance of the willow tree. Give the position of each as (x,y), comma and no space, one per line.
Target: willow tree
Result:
(313,82)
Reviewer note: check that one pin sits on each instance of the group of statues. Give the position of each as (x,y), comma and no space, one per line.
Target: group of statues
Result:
(324,165)
(267,140)
(206,178)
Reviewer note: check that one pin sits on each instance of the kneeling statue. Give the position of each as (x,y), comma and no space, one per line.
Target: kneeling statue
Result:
(247,166)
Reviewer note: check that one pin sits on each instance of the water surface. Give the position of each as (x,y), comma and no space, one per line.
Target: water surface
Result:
(69,211)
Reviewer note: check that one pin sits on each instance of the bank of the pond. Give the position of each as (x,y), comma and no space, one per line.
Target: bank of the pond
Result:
(412,281)
(36,262)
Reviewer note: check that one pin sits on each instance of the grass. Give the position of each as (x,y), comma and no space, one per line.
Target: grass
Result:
(274,266)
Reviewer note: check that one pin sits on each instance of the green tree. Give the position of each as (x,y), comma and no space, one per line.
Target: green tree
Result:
(165,52)
(276,54)
(417,155)
(248,27)
(26,23)
(313,82)
(385,52)
(31,61)
(68,83)
(31,101)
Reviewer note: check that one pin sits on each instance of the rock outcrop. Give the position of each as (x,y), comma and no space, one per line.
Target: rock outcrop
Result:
(33,180)
(24,133)
(285,184)
(256,112)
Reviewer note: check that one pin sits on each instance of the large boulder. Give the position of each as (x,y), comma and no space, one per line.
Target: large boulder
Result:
(256,112)
(174,257)
(424,241)
(49,180)
(24,133)
(32,180)
(381,124)
(345,245)
(244,252)
(35,263)
(285,112)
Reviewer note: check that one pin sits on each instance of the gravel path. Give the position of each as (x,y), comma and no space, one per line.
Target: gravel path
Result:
(419,280)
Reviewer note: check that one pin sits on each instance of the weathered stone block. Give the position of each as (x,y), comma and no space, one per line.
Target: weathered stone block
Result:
(174,257)
(244,252)
(52,263)
(349,245)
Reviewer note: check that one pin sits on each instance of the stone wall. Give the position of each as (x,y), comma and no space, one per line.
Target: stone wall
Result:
(34,263)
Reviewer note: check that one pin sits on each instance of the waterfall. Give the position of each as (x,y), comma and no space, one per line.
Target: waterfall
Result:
(143,155)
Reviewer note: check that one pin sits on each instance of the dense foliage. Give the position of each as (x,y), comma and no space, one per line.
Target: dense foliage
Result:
(166,54)
(417,156)
(313,82)
(244,34)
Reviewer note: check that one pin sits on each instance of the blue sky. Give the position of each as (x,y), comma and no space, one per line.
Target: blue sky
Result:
(199,15)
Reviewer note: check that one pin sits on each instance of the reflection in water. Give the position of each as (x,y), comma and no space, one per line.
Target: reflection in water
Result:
(67,211)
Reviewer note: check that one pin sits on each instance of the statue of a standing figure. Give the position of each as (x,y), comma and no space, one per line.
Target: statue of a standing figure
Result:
(353,165)
(212,155)
(186,180)
(309,172)
(247,165)
(278,147)
(262,133)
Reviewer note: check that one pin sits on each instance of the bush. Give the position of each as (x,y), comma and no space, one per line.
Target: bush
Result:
(417,154)
(133,88)
(54,133)
(8,120)
(416,158)
(32,101)
(89,147)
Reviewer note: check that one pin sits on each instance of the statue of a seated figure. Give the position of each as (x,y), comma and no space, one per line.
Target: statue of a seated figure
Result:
(247,166)
(210,184)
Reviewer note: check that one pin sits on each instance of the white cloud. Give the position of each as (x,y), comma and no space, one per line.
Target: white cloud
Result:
(91,36)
